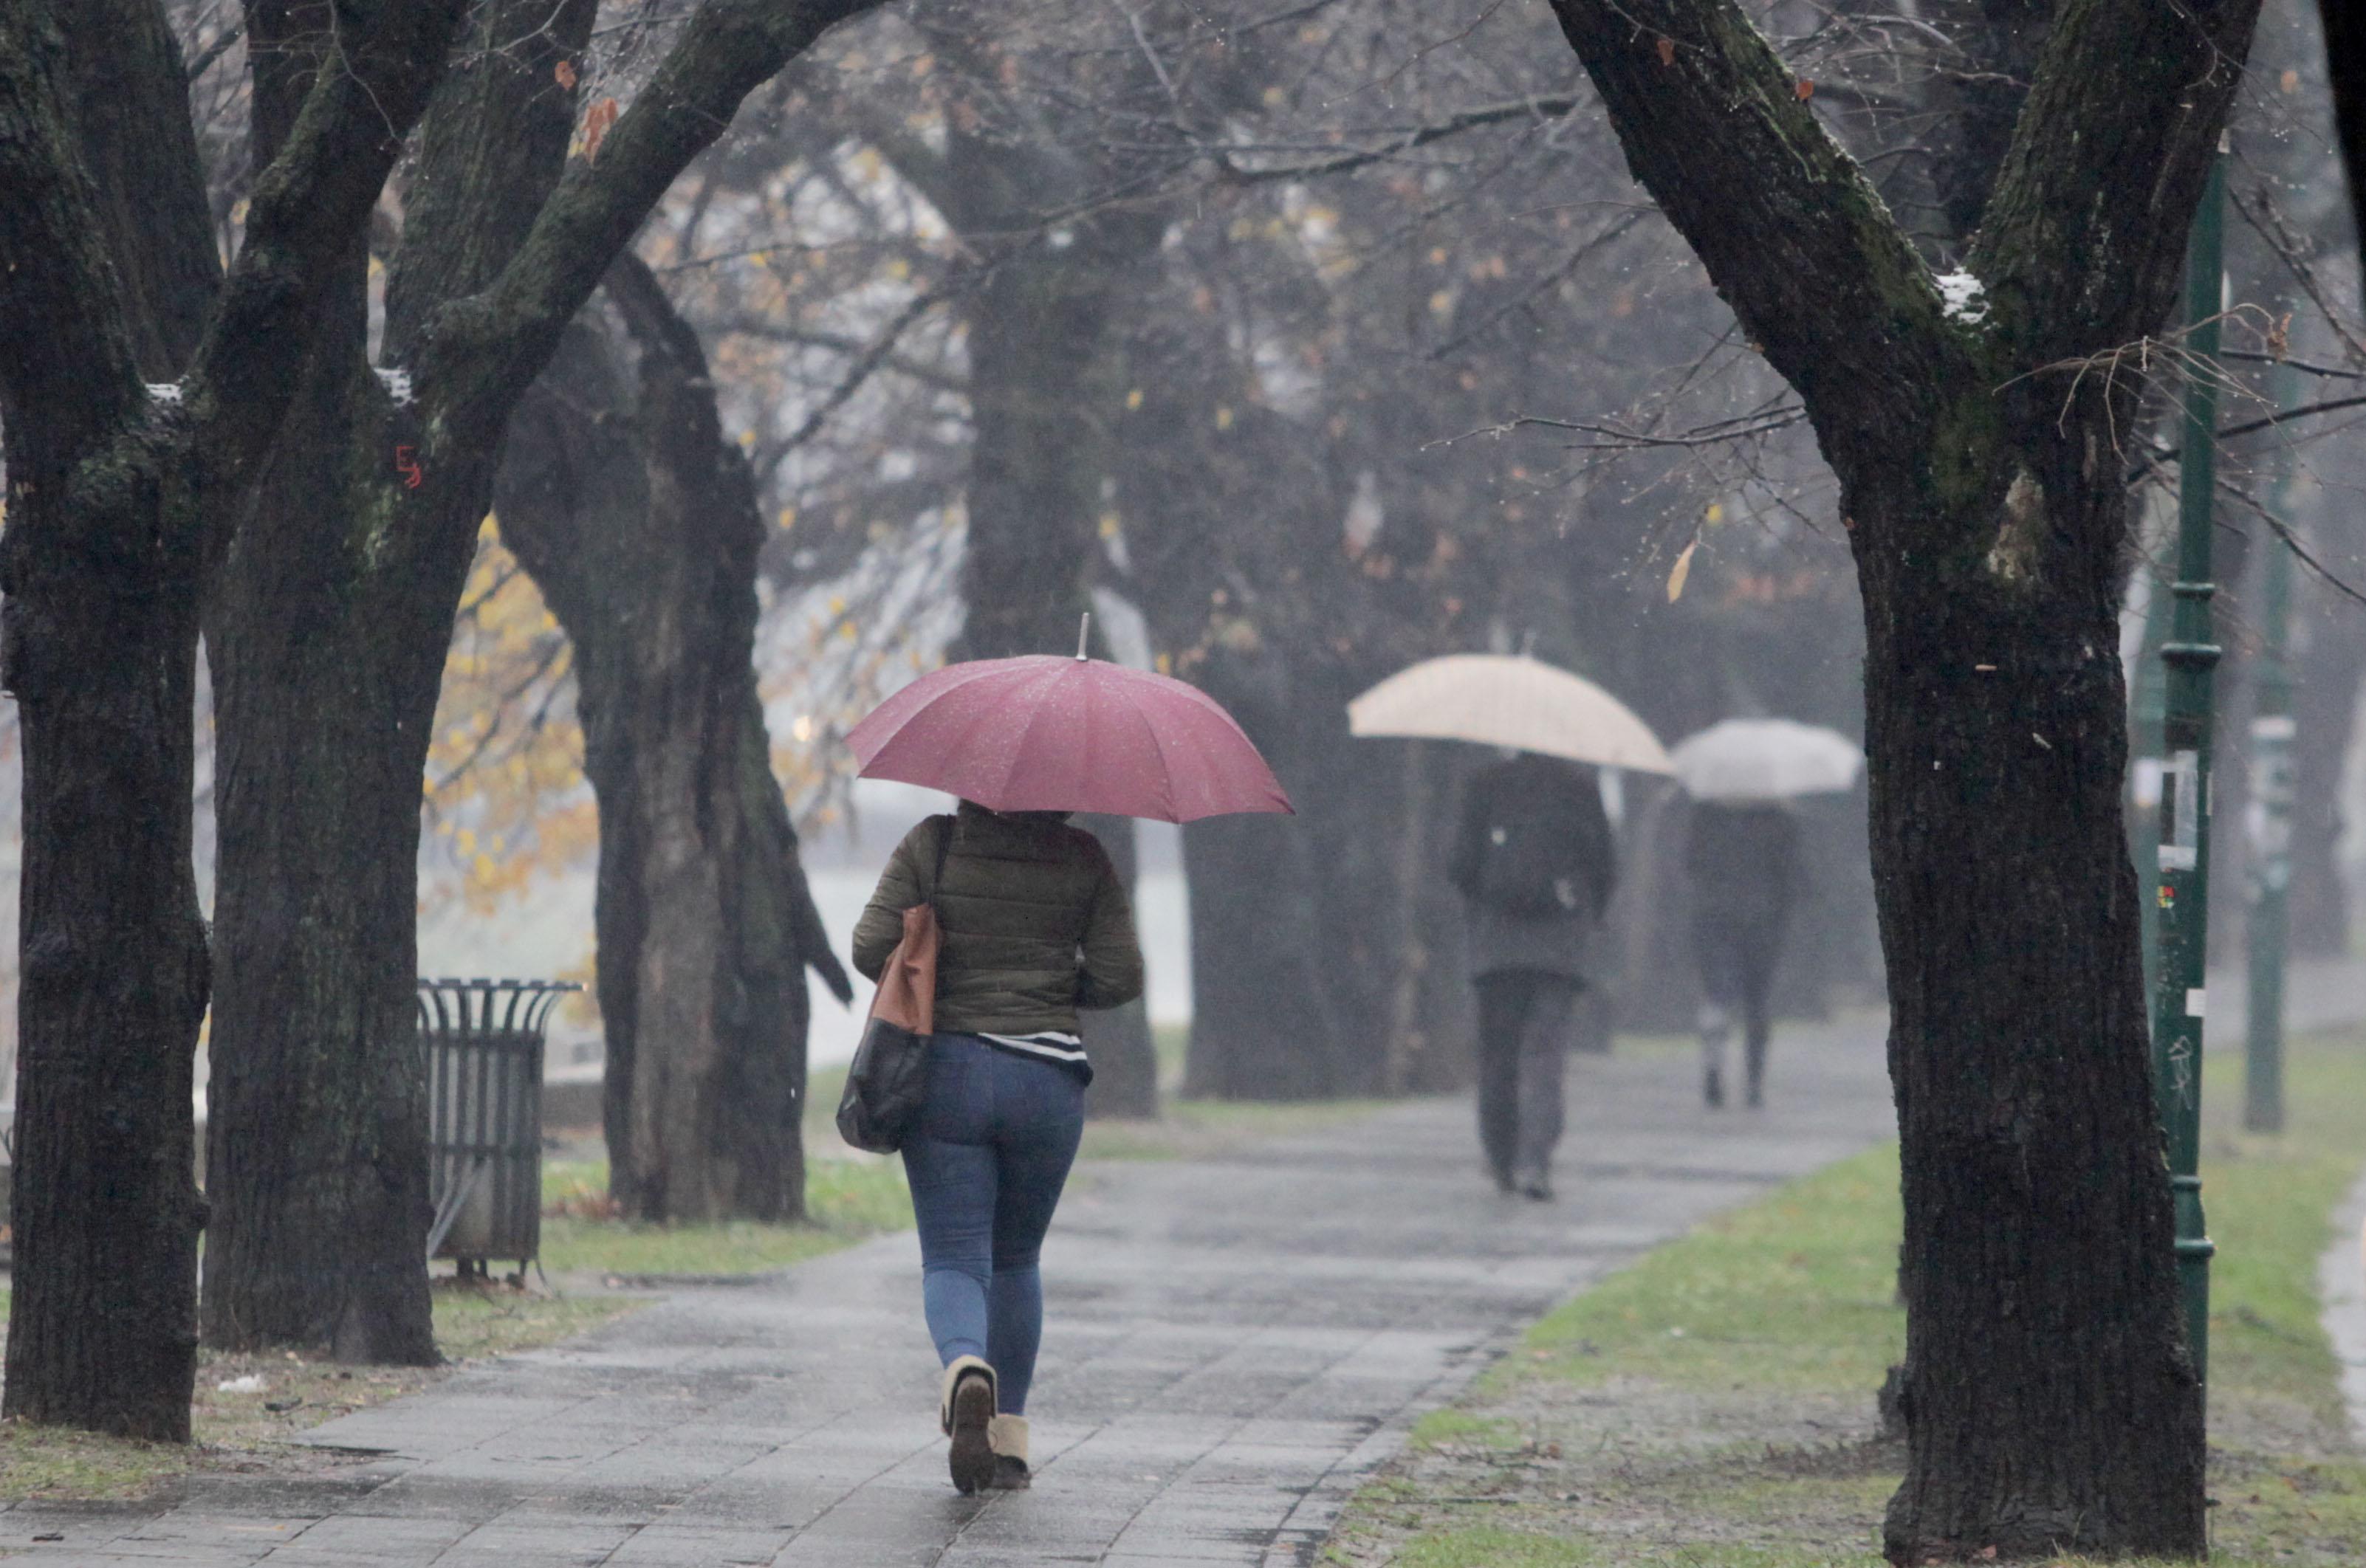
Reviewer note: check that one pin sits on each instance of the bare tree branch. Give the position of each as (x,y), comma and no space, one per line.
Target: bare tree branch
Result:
(1714,125)
(307,208)
(1539,111)
(484,350)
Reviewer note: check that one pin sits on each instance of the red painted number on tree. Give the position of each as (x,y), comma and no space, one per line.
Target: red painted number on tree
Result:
(406,462)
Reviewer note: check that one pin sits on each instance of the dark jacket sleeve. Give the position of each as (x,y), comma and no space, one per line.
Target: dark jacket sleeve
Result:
(1109,974)
(882,925)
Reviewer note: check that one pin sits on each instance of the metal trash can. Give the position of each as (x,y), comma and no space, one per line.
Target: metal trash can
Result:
(483,1044)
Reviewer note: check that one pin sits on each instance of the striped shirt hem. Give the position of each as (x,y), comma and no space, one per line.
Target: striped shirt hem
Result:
(1062,1050)
(1051,1046)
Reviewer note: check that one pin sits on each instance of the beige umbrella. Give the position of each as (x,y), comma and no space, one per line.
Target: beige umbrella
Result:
(1497,700)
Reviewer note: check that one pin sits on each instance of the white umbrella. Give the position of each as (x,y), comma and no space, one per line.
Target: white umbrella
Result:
(1496,699)
(1766,759)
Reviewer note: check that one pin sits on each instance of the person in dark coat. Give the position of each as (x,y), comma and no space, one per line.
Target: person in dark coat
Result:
(1534,863)
(1034,925)
(1743,862)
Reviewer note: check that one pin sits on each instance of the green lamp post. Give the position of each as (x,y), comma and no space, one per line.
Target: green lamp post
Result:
(2191,656)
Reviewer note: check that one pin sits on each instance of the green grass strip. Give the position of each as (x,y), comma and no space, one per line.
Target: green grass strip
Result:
(1789,1302)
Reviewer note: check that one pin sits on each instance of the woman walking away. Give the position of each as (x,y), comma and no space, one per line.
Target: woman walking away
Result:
(1034,926)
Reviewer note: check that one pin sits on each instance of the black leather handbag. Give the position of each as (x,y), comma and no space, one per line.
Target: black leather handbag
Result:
(889,1078)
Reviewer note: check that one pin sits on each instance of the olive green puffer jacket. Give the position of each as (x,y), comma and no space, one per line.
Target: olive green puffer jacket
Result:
(1035,923)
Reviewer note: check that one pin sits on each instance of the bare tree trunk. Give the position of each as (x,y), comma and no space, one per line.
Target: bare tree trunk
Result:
(325,670)
(326,627)
(106,1213)
(2019,1048)
(2051,1404)
(2331,660)
(117,495)
(1295,924)
(99,636)
(1044,393)
(640,522)
(1124,1056)
(344,631)
(1408,1043)
(1261,1024)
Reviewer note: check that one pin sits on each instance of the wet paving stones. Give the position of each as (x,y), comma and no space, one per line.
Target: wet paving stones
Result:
(1232,1345)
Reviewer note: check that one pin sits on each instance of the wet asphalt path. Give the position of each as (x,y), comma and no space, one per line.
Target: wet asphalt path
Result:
(1232,1345)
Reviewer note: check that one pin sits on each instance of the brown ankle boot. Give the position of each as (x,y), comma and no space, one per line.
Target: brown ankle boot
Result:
(965,1410)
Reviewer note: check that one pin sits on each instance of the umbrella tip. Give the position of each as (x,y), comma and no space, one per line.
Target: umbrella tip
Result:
(1084,635)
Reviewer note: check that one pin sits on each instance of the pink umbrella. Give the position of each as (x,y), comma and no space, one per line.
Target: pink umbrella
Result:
(1046,733)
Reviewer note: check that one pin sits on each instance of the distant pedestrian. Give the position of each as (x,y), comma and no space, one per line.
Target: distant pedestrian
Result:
(1743,861)
(1534,863)
(1036,924)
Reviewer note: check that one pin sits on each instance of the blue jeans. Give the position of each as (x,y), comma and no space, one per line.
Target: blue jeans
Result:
(996,1137)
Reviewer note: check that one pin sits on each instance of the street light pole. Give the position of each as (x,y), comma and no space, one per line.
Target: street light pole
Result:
(2268,821)
(2192,657)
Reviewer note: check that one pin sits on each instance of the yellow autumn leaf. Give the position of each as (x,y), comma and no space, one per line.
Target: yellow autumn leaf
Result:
(1680,571)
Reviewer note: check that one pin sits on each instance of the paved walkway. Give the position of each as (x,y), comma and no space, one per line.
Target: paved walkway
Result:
(1233,1344)
(2341,1286)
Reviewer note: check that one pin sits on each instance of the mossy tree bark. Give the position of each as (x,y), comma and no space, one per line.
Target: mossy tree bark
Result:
(327,628)
(2051,1404)
(640,522)
(331,625)
(117,495)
